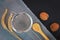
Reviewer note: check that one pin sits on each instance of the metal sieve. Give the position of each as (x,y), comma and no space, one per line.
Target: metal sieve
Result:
(22,22)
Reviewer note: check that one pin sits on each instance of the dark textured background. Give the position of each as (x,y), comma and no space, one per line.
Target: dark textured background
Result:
(50,6)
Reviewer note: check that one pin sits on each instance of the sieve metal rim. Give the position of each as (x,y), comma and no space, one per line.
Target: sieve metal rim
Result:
(28,27)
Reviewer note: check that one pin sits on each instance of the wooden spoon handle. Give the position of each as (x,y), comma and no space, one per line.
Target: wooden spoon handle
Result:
(3,19)
(10,27)
(42,33)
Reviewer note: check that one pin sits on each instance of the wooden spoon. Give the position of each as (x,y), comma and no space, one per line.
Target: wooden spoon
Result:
(3,19)
(10,27)
(36,27)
